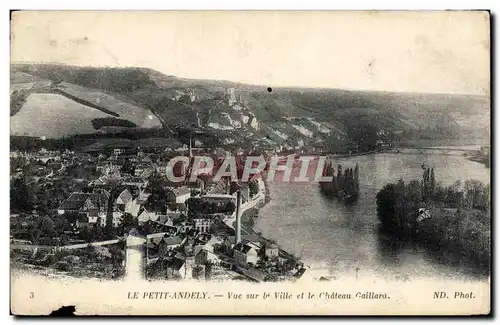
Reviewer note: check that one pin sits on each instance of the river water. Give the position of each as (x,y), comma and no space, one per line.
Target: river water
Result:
(334,239)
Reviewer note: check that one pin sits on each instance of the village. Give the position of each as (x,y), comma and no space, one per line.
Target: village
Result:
(73,203)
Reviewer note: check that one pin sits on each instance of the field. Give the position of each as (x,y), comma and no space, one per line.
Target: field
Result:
(140,116)
(53,116)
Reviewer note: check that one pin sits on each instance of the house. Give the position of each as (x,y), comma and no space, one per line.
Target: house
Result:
(142,198)
(171,231)
(272,250)
(246,253)
(175,268)
(485,151)
(176,207)
(219,197)
(88,218)
(203,223)
(204,256)
(133,208)
(146,215)
(80,202)
(181,194)
(93,216)
(82,221)
(102,181)
(170,243)
(206,242)
(135,181)
(230,241)
(117,218)
(171,219)
(191,232)
(152,242)
(255,274)
(423,214)
(115,221)
(111,170)
(381,144)
(160,244)
(143,171)
(123,199)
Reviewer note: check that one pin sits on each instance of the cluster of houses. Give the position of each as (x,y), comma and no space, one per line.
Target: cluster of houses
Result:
(178,238)
(180,250)
(94,207)
(183,244)
(128,170)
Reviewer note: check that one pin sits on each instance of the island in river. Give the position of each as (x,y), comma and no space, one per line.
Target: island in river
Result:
(335,239)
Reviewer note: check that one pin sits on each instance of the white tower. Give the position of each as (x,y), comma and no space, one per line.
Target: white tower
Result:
(238,217)
(232,96)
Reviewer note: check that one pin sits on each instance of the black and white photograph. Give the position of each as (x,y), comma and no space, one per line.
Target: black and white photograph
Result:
(258,148)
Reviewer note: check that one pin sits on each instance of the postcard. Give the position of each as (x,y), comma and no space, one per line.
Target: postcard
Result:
(250,162)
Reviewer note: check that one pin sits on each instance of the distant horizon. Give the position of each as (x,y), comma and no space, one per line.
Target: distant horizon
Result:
(419,52)
(295,87)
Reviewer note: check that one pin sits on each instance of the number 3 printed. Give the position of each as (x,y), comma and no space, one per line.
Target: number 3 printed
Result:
(32,295)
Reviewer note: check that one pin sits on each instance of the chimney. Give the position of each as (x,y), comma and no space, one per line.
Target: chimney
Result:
(238,217)
(190,147)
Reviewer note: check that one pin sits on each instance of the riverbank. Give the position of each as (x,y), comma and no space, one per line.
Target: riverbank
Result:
(463,236)
(480,159)
(248,218)
(453,221)
(334,239)
(457,238)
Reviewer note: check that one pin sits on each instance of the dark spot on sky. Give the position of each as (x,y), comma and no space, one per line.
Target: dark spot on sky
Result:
(269,89)
(85,38)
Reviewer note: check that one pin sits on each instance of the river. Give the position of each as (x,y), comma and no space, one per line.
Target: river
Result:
(336,239)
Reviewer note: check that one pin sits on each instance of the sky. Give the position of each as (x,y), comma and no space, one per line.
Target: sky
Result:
(427,52)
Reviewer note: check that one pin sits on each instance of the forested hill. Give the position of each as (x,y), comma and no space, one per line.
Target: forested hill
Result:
(232,112)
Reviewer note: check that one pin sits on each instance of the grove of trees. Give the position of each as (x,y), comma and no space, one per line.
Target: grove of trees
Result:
(459,215)
(345,183)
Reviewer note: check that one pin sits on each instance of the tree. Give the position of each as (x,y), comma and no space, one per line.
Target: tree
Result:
(117,255)
(87,234)
(108,228)
(197,272)
(234,187)
(160,195)
(46,226)
(356,176)
(61,223)
(386,206)
(230,207)
(476,195)
(128,222)
(253,187)
(98,232)
(128,167)
(454,195)
(208,270)
(414,191)
(21,198)
(432,183)
(395,207)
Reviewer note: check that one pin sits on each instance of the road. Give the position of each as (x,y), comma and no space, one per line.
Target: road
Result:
(134,258)
(76,246)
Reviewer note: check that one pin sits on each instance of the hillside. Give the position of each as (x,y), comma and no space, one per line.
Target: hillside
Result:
(70,109)
(247,115)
